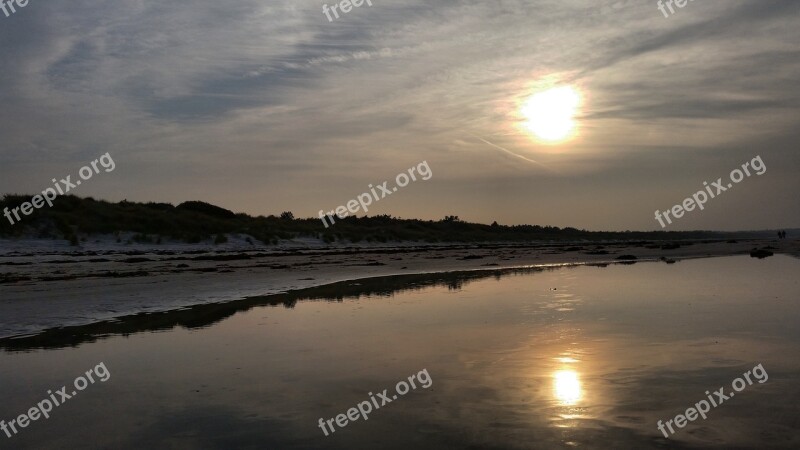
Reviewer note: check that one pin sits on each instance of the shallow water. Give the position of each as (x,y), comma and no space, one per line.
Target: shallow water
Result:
(574,357)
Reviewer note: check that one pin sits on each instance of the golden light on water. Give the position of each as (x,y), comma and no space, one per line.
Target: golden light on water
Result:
(550,115)
(567,387)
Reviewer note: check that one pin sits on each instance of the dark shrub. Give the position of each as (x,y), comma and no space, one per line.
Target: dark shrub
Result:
(207,209)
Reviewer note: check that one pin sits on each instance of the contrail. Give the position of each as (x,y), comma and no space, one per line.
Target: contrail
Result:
(514,154)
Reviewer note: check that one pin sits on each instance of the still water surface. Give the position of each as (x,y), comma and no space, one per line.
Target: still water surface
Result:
(573,357)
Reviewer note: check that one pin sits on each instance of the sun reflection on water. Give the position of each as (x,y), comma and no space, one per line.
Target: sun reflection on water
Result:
(567,387)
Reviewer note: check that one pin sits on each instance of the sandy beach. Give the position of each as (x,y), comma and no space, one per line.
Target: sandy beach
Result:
(45,286)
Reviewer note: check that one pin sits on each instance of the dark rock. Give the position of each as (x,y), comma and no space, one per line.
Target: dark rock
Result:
(760,254)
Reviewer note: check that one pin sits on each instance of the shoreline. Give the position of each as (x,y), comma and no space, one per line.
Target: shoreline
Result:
(77,290)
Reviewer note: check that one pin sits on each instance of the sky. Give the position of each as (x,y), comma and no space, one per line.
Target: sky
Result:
(264,106)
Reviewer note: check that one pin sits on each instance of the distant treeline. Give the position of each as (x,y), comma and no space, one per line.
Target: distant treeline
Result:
(73,217)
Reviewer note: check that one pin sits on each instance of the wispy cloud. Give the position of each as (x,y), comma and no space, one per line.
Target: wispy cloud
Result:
(258,99)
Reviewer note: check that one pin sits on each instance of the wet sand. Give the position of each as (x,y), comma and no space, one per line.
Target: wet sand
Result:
(582,356)
(58,287)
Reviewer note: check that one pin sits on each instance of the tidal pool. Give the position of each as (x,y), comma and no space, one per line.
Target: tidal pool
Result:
(569,357)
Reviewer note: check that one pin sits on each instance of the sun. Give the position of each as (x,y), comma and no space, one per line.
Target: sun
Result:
(550,115)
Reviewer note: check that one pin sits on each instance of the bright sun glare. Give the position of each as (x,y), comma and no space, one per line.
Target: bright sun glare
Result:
(567,387)
(550,115)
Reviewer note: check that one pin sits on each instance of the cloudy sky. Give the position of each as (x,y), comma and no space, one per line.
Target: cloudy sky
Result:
(262,106)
